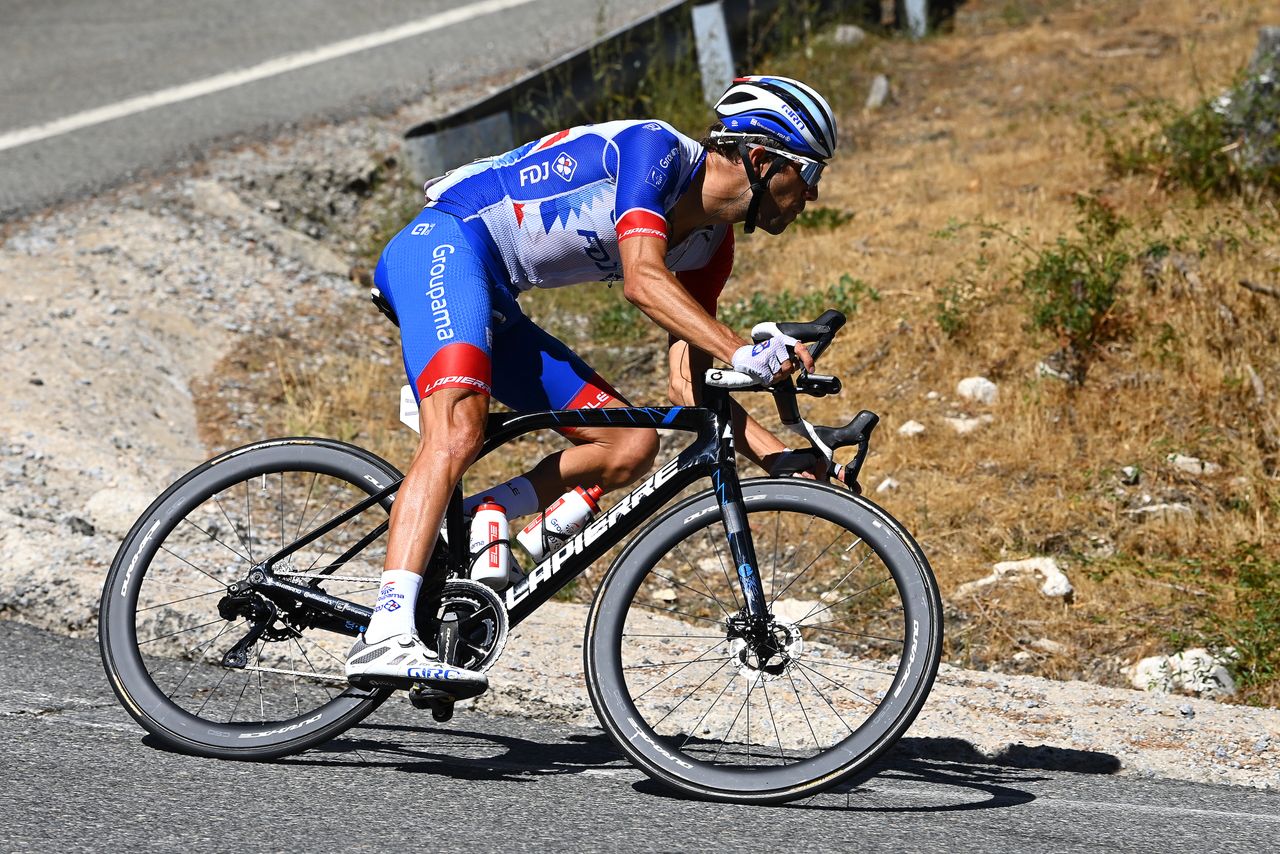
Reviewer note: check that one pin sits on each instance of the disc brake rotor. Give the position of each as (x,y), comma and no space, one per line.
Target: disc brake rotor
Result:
(776,657)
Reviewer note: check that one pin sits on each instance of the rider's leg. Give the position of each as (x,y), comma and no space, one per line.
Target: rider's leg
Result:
(389,652)
(534,371)
(442,291)
(610,457)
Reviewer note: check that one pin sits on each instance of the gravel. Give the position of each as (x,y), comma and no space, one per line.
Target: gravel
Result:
(113,306)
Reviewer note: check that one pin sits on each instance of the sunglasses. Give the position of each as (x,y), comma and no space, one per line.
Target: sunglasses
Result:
(810,170)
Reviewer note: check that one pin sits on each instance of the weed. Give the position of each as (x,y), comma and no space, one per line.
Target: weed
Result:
(620,321)
(1252,626)
(1224,146)
(953,306)
(1074,284)
(823,219)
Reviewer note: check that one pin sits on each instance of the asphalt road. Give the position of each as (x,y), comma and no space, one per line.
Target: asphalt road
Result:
(293,64)
(76,773)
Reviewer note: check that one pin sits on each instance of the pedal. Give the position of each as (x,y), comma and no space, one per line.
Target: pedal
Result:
(426,697)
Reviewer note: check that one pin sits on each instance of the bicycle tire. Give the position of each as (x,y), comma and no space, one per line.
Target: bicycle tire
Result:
(672,567)
(163,559)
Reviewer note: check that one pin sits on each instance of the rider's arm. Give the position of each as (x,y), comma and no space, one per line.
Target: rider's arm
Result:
(688,365)
(654,289)
(647,167)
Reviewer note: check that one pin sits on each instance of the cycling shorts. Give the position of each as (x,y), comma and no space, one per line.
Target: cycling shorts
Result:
(461,327)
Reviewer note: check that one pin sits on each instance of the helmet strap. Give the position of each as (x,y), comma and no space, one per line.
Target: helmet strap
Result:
(758,184)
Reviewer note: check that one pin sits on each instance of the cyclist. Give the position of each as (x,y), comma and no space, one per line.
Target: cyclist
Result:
(629,200)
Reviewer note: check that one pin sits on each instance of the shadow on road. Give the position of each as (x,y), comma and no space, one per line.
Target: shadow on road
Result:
(949,775)
(466,754)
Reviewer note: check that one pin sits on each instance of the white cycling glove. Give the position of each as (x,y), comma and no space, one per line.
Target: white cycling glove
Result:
(763,361)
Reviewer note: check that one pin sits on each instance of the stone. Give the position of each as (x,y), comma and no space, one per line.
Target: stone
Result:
(1195,671)
(964,425)
(911,428)
(794,610)
(1051,647)
(114,510)
(879,93)
(1129,475)
(887,485)
(1250,109)
(978,390)
(1044,369)
(1192,465)
(849,35)
(1163,512)
(1055,581)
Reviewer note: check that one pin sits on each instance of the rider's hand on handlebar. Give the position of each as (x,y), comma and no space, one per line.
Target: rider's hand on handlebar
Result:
(771,359)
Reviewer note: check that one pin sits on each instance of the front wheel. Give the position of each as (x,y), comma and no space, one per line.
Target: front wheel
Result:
(719,707)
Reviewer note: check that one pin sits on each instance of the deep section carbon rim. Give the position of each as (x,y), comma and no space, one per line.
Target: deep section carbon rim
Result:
(170,618)
(724,709)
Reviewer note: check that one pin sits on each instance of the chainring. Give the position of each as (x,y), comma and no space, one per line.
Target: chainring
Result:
(482,623)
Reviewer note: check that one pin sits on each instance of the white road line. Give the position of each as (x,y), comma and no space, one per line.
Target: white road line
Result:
(270,68)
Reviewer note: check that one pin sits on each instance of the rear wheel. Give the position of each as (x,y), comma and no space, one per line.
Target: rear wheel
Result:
(209,666)
(719,707)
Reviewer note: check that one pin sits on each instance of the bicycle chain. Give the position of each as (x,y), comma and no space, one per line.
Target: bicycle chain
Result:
(283,573)
(319,676)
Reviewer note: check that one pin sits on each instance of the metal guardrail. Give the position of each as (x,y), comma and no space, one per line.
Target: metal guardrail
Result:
(518,112)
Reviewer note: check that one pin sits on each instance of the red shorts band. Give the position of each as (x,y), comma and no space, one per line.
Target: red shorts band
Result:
(458,365)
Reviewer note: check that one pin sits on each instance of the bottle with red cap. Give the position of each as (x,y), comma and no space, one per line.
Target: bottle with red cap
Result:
(490,545)
(560,522)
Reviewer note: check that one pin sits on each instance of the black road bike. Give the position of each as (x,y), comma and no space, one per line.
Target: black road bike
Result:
(756,642)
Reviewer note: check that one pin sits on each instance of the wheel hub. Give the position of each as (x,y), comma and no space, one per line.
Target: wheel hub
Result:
(772,652)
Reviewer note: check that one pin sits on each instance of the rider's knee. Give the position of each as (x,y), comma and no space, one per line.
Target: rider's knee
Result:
(455,429)
(632,456)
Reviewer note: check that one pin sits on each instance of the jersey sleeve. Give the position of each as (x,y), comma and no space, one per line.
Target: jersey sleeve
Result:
(648,169)
(706,283)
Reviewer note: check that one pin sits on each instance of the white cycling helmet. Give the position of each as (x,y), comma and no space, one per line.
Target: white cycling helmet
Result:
(778,113)
(782,109)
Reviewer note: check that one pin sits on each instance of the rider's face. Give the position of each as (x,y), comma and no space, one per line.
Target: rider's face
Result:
(788,194)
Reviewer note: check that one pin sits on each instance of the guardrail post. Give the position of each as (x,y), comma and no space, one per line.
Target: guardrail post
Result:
(914,17)
(715,56)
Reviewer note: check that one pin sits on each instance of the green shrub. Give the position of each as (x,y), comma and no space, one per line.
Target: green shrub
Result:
(1223,146)
(823,219)
(1252,625)
(1074,285)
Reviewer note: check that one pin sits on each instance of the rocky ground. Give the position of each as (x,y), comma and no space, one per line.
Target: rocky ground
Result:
(114,306)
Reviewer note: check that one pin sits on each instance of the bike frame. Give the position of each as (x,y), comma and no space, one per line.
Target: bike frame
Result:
(710,454)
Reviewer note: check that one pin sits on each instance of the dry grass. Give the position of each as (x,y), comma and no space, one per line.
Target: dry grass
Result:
(987,124)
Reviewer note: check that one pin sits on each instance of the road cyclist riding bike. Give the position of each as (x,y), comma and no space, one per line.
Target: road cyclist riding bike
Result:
(629,200)
(757,641)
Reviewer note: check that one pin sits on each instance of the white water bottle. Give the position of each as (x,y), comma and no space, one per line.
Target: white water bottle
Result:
(560,522)
(489,545)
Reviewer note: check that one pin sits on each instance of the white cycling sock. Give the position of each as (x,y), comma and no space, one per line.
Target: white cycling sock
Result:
(393,613)
(516,497)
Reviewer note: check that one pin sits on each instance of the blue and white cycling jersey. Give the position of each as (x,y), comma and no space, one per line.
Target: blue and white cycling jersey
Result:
(549,213)
(555,209)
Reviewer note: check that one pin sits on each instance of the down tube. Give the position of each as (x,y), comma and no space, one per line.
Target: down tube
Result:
(603,534)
